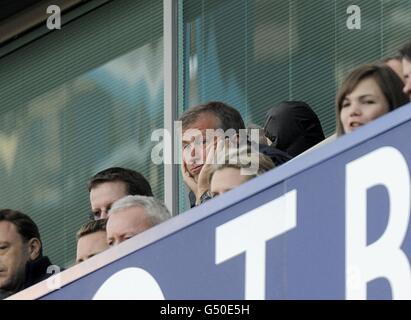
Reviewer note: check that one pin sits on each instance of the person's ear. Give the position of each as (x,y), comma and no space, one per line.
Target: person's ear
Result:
(34,248)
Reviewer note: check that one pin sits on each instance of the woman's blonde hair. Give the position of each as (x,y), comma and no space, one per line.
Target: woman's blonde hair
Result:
(251,162)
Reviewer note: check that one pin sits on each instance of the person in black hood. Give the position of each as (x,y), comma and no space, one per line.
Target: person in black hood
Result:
(21,260)
(293,127)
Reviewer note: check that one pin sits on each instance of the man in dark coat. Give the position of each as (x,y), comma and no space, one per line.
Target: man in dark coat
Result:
(21,260)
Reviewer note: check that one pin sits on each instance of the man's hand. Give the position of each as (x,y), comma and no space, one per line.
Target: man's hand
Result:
(188,178)
(215,155)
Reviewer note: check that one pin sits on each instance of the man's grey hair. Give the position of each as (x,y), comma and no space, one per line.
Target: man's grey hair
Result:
(227,116)
(154,208)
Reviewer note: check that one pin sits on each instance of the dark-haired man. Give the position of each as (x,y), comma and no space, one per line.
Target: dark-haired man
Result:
(112,184)
(21,260)
(211,116)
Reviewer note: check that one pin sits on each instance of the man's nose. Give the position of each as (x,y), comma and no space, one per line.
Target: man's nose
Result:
(196,152)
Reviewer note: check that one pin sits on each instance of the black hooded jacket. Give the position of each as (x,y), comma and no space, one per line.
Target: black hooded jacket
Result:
(36,271)
(276,155)
(293,127)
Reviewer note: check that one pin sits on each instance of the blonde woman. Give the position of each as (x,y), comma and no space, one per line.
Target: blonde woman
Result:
(238,168)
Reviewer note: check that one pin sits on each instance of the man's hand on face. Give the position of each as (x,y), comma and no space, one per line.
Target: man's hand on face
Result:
(215,155)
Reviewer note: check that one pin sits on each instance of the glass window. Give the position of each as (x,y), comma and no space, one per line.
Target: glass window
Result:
(76,101)
(253,54)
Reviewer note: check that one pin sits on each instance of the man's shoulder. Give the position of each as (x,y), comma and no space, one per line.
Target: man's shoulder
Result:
(37,271)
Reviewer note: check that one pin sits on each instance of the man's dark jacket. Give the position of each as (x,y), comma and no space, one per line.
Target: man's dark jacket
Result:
(36,271)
